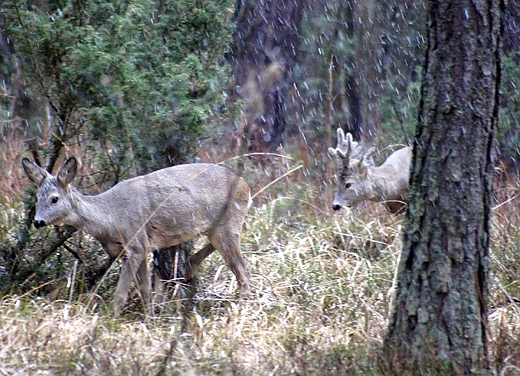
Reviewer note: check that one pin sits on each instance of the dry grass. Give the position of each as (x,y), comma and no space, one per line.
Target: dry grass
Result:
(316,308)
(11,149)
(323,288)
(321,301)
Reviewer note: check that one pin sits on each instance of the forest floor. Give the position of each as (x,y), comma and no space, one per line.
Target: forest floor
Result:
(323,289)
(321,302)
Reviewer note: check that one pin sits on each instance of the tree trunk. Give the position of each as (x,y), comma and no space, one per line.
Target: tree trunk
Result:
(169,267)
(263,53)
(440,319)
(355,125)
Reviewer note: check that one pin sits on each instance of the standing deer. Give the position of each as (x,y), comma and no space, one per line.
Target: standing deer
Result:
(158,210)
(359,180)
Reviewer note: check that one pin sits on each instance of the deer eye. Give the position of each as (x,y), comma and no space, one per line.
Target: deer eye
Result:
(54,200)
(348,185)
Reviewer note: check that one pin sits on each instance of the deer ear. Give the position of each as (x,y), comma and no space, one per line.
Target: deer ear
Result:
(333,152)
(35,173)
(366,159)
(68,171)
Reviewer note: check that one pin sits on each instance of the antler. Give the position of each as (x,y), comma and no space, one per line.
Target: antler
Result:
(345,145)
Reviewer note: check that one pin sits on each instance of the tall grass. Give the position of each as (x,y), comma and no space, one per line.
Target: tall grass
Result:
(321,302)
(323,290)
(316,307)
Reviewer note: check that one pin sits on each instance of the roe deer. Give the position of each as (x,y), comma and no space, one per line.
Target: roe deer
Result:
(164,208)
(359,180)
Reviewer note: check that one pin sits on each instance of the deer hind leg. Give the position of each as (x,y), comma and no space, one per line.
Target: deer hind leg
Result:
(131,263)
(195,260)
(227,242)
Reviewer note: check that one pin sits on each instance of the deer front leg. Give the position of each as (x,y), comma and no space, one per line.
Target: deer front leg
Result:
(131,262)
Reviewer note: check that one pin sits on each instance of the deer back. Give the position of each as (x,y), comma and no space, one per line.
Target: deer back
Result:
(180,203)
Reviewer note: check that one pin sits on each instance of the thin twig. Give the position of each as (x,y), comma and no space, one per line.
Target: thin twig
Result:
(276,180)
(253,154)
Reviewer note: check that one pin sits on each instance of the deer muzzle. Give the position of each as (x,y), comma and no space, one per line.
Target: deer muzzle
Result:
(39,223)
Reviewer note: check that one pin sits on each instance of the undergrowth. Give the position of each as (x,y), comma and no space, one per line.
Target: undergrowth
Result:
(323,289)
(320,305)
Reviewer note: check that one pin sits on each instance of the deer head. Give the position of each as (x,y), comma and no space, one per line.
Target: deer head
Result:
(54,198)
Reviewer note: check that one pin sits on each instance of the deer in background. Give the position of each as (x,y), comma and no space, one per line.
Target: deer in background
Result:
(164,208)
(359,180)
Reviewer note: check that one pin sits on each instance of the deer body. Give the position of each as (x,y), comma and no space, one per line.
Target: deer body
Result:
(359,180)
(158,210)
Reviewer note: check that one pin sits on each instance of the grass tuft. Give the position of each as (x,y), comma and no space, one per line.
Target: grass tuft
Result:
(323,289)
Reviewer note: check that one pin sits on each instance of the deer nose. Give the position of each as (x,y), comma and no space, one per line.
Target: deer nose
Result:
(39,223)
(336,207)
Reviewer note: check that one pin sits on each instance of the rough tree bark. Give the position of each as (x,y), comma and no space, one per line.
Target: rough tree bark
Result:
(439,324)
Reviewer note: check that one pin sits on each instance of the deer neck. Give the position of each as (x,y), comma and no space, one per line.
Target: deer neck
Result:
(384,178)
(89,214)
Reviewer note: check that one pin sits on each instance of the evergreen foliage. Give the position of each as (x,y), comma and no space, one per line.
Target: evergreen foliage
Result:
(137,78)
